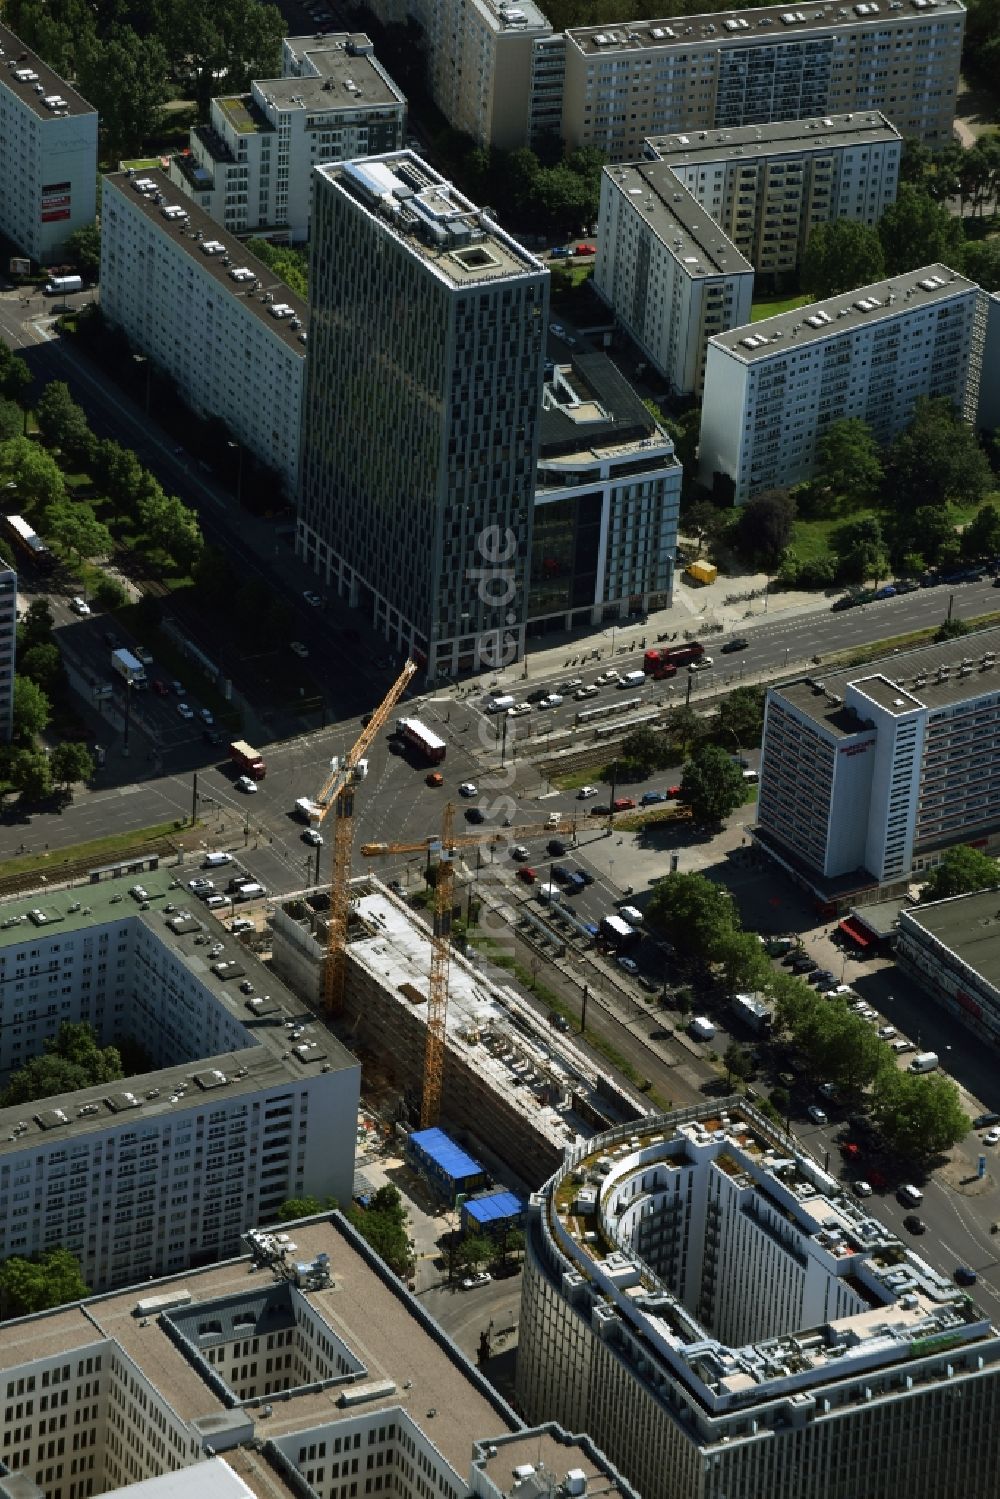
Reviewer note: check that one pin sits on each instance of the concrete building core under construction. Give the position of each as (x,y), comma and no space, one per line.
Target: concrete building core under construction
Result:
(522,1088)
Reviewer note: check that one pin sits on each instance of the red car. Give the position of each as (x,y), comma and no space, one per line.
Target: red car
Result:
(586,249)
(529,876)
(851,1150)
(622,804)
(673,792)
(435,778)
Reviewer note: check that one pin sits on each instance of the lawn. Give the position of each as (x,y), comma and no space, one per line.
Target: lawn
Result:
(811,538)
(771,306)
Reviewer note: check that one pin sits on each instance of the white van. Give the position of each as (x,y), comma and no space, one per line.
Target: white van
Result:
(214,861)
(250,892)
(631,914)
(632,679)
(925,1061)
(701,1028)
(500,704)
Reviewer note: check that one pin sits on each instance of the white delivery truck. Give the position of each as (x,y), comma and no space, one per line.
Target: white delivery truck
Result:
(61,286)
(307,811)
(129,668)
(702,1028)
(925,1061)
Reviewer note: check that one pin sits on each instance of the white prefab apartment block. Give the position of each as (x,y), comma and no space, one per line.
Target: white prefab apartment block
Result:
(207,312)
(866,777)
(8,650)
(157,1172)
(724,1318)
(769,186)
(772,388)
(630,80)
(48,170)
(667,270)
(422,409)
(250,167)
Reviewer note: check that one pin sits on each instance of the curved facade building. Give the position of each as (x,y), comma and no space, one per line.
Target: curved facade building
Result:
(727,1323)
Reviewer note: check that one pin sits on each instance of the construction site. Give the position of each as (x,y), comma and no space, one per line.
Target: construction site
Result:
(510,1081)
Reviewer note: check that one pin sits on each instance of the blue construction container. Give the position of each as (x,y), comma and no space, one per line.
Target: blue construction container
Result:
(449,1169)
(492,1214)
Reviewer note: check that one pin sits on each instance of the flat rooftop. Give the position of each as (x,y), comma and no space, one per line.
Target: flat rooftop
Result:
(678,220)
(867,306)
(552,1455)
(365,1307)
(968,926)
(588,404)
(336,71)
(191,229)
(201,944)
(931,676)
(779,138)
(743,27)
(28,78)
(436,223)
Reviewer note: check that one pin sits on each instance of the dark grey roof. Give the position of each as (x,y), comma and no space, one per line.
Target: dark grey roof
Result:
(600,380)
(15,57)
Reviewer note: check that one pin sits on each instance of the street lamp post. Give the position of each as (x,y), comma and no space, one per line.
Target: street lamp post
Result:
(143,359)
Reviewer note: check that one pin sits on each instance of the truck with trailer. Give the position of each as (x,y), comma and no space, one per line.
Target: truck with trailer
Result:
(755,1013)
(249,760)
(128,667)
(430,745)
(665,663)
(61,286)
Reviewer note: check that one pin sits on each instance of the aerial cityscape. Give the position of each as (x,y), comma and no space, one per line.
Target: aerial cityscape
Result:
(500,750)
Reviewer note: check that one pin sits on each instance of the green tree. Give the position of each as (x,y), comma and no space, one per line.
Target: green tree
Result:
(11,420)
(737,1063)
(109,593)
(285,261)
(743,962)
(743,714)
(694,915)
(75,527)
(840,256)
(238,39)
(474,1251)
(125,77)
(71,762)
(981,537)
(961,871)
(383,1224)
(918,1116)
(34,473)
(705,524)
(72,1059)
(31,710)
(30,774)
(171,527)
(52,1278)
(951,629)
(849,462)
(684,432)
(981,262)
(62,421)
(36,627)
(916,232)
(936,460)
(118,472)
(43,664)
(684,728)
(927,531)
(83,248)
(304,1207)
(764,527)
(15,376)
(861,548)
(712,784)
(643,750)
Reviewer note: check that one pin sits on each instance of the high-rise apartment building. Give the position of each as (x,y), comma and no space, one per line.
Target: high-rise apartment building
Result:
(725,1318)
(159,1171)
(988,415)
(667,270)
(195,301)
(630,80)
(773,387)
(607,500)
(250,167)
(48,171)
(8,650)
(422,410)
(769,186)
(869,774)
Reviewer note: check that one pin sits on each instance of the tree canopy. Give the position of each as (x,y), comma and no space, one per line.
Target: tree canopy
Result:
(961,870)
(743,713)
(765,525)
(848,460)
(71,1059)
(918,1116)
(839,256)
(31,710)
(915,231)
(51,1278)
(712,784)
(383,1224)
(936,460)
(693,914)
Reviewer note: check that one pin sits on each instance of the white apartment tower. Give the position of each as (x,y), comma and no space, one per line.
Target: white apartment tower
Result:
(8,650)
(769,186)
(251,166)
(867,777)
(627,81)
(667,270)
(422,410)
(771,388)
(207,312)
(48,174)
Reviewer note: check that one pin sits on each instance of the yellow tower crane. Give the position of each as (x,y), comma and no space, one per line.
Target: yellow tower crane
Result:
(337,796)
(446,846)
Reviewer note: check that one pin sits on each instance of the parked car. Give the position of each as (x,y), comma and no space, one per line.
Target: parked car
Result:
(804,965)
(247,785)
(206,715)
(79,606)
(623,804)
(600,810)
(468,788)
(555,848)
(584,875)
(862,1188)
(992,1137)
(475,814)
(585,792)
(650,798)
(483,1278)
(629,964)
(160,688)
(185,710)
(528,875)
(984,1121)
(519,853)
(434,778)
(816,1114)
(557,330)
(739,644)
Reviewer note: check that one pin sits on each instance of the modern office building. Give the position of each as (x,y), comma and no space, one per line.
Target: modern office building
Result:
(192,299)
(250,167)
(8,650)
(492,69)
(303,1369)
(725,1318)
(157,1172)
(668,272)
(630,80)
(48,175)
(607,500)
(772,388)
(769,186)
(952,949)
(422,411)
(514,1088)
(869,774)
